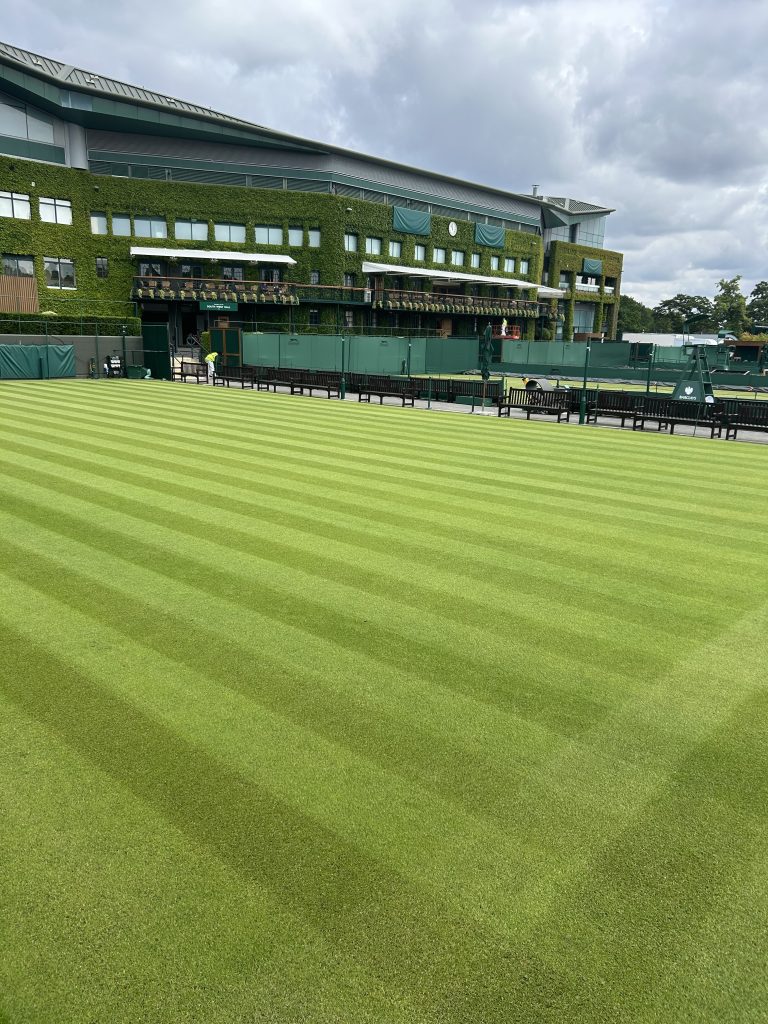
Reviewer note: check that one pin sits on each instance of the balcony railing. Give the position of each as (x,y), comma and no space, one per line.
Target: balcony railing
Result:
(198,289)
(440,302)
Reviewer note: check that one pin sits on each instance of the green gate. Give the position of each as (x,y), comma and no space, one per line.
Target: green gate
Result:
(157,356)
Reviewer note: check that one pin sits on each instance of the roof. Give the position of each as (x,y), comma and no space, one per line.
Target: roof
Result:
(451,275)
(89,83)
(211,254)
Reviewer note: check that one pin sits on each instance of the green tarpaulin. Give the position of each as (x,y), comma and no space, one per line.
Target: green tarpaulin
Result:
(489,234)
(592,267)
(411,222)
(36,361)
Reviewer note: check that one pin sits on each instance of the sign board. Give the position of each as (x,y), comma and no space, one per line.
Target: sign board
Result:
(219,307)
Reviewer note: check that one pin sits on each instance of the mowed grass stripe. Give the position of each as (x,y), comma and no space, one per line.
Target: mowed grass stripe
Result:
(536,875)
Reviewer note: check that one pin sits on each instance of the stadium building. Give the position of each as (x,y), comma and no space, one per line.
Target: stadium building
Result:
(115,200)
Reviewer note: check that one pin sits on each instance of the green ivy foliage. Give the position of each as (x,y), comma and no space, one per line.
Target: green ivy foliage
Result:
(569,256)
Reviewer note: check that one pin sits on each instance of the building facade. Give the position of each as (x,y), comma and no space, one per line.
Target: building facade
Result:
(117,201)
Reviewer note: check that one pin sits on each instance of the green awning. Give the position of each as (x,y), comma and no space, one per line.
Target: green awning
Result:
(593,267)
(411,222)
(489,234)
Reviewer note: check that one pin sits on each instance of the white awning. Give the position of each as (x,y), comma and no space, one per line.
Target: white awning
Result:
(211,254)
(451,275)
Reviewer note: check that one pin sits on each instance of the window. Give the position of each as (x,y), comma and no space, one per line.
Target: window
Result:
(457,258)
(13,204)
(314,238)
(474,260)
(314,318)
(314,277)
(98,223)
(232,273)
(149,227)
(269,234)
(20,123)
(349,318)
(55,211)
(102,266)
(229,233)
(419,252)
(295,236)
(349,280)
(190,230)
(524,264)
(121,224)
(59,273)
(190,270)
(350,243)
(373,246)
(156,269)
(509,265)
(494,262)
(18,266)
(438,255)
(269,274)
(396,249)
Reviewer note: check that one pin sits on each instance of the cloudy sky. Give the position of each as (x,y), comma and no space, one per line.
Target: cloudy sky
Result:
(659,110)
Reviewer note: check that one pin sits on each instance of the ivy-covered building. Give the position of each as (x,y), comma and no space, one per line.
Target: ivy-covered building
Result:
(115,199)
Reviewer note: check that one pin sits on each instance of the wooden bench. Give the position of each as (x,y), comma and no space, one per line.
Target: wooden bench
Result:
(735,415)
(553,403)
(319,380)
(387,387)
(197,370)
(620,405)
(668,413)
(242,375)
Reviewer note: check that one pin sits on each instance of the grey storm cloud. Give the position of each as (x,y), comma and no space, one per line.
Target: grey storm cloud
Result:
(654,109)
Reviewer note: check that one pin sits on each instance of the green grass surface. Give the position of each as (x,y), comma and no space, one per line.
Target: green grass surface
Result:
(317,712)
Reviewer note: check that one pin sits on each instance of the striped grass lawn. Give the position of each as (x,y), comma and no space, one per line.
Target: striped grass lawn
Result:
(317,712)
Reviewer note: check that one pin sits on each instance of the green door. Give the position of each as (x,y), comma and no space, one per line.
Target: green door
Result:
(157,356)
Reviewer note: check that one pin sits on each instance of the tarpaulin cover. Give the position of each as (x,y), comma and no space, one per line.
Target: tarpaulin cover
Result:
(592,267)
(36,361)
(489,234)
(411,222)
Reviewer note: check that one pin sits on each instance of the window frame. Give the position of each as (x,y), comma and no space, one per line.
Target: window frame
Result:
(350,241)
(292,231)
(58,260)
(229,240)
(62,210)
(314,238)
(152,220)
(438,254)
(273,232)
(372,245)
(192,223)
(7,256)
(105,268)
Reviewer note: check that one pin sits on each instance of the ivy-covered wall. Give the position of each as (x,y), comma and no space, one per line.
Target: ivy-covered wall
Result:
(332,215)
(566,256)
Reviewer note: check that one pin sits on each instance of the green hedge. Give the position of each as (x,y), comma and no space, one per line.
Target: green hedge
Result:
(34,323)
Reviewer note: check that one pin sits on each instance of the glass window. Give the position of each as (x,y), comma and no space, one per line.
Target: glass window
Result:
(191,230)
(59,272)
(18,266)
(314,238)
(349,280)
(494,262)
(373,246)
(396,249)
(509,265)
(149,227)
(229,233)
(314,318)
(232,274)
(457,258)
(438,255)
(98,223)
(475,260)
(13,120)
(102,266)
(524,264)
(156,269)
(419,252)
(350,242)
(39,129)
(295,236)
(13,204)
(269,274)
(269,234)
(121,224)
(190,270)
(349,318)
(55,211)
(314,277)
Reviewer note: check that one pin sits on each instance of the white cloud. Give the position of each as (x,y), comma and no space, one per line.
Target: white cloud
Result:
(654,108)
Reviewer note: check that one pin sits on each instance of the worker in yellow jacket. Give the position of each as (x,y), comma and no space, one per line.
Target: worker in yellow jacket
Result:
(211,360)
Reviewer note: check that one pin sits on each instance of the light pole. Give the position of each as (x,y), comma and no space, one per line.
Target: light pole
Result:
(650,369)
(583,399)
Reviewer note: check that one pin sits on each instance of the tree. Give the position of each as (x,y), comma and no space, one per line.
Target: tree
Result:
(731,306)
(757,307)
(634,316)
(684,313)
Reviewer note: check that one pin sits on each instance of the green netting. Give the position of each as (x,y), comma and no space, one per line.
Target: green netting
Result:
(411,222)
(489,234)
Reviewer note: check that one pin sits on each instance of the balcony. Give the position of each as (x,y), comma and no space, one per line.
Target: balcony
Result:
(440,302)
(207,289)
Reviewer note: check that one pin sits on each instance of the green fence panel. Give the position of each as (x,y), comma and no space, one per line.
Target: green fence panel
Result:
(20,362)
(61,360)
(451,355)
(157,356)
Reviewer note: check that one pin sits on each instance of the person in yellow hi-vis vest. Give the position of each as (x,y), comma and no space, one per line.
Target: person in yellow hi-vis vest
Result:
(211,360)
